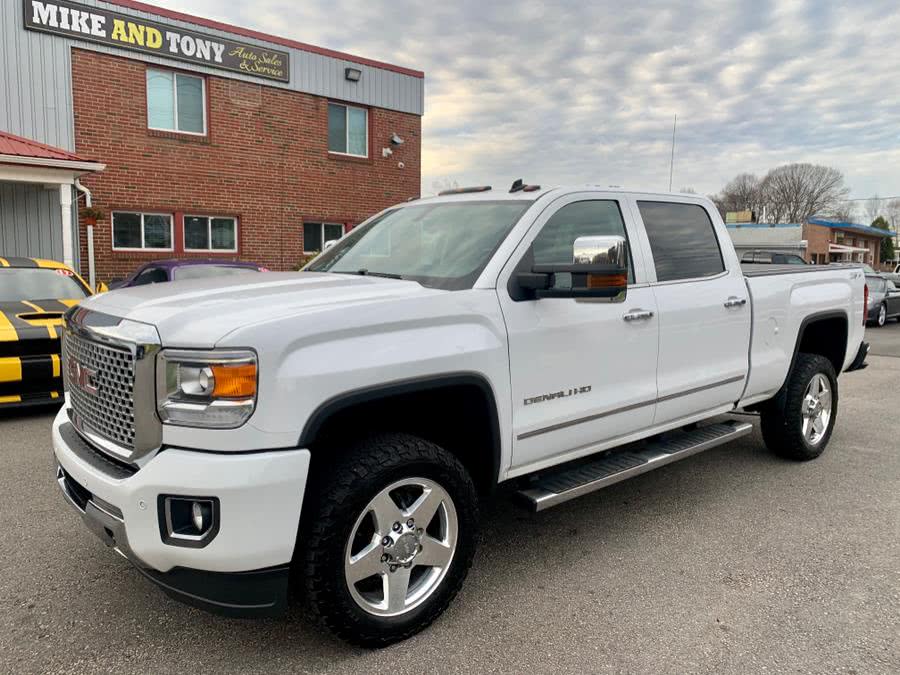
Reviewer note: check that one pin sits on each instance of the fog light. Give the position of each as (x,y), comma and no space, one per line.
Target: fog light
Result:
(188,521)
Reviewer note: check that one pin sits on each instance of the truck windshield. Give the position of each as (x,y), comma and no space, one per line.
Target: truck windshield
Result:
(444,245)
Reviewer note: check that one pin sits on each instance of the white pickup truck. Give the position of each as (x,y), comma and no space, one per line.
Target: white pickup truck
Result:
(334,429)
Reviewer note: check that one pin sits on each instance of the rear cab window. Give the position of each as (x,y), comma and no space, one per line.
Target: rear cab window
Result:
(683,241)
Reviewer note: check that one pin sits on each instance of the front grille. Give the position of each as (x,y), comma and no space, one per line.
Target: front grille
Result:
(110,411)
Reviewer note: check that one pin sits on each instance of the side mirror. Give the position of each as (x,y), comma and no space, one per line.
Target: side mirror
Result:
(599,269)
(101,288)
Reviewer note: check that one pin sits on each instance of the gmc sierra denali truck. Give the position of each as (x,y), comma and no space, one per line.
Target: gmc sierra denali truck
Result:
(334,429)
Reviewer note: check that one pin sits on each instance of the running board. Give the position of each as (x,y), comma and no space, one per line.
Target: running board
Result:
(562,485)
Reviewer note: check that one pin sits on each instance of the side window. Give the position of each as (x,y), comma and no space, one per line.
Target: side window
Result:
(555,242)
(682,239)
(153,275)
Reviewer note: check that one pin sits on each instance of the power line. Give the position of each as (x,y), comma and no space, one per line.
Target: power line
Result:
(865,199)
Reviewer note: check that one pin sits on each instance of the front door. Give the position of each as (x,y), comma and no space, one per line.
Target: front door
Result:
(583,372)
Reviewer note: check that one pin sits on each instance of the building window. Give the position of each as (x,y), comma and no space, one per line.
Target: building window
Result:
(206,233)
(316,235)
(176,102)
(141,231)
(348,130)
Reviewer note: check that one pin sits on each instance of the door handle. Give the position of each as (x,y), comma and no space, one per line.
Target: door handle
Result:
(735,301)
(638,315)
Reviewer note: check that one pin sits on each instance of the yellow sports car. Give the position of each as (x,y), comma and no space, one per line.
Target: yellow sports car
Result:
(34,294)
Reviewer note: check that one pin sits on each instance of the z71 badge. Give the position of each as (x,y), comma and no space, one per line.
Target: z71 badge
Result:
(557,394)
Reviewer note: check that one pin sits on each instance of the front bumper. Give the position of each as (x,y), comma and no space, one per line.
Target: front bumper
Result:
(244,569)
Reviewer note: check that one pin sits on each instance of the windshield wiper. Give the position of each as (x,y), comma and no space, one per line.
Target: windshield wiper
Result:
(385,275)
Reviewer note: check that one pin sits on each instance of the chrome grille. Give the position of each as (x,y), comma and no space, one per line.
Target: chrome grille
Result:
(110,411)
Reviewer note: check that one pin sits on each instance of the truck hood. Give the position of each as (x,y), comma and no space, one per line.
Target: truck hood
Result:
(200,312)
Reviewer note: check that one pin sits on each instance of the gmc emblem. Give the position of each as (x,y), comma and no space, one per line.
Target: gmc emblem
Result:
(80,376)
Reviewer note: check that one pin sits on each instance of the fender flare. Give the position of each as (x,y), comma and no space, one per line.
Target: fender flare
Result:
(807,321)
(314,424)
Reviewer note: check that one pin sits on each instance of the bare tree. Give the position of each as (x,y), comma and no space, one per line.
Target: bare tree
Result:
(742,193)
(872,208)
(844,212)
(795,192)
(892,213)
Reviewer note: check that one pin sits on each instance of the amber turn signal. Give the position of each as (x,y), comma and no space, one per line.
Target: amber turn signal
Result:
(234,381)
(606,280)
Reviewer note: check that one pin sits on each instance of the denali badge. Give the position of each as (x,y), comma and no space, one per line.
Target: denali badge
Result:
(81,377)
(558,394)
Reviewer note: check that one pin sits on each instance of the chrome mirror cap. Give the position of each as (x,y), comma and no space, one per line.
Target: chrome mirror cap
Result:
(601,250)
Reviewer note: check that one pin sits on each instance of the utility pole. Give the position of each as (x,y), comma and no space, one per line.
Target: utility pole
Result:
(672,160)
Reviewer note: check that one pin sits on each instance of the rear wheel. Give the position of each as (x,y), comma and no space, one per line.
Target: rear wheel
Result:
(798,422)
(391,539)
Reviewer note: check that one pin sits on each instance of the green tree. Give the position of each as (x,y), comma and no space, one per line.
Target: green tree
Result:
(887,244)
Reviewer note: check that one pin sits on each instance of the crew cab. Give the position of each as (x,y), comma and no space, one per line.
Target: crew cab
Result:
(335,429)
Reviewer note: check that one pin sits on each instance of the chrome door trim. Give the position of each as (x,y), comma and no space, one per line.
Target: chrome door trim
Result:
(697,390)
(633,406)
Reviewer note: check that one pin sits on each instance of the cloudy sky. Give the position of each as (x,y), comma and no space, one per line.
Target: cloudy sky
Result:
(586,92)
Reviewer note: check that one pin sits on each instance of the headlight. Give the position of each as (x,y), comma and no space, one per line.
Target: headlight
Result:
(212,389)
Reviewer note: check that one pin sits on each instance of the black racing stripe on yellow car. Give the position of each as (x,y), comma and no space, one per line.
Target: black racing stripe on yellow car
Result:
(33,347)
(22,262)
(51,305)
(23,329)
(30,389)
(38,369)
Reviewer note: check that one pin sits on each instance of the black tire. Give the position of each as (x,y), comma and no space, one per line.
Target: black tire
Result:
(346,488)
(781,420)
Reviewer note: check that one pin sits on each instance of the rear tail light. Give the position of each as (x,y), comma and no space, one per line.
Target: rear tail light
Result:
(865,303)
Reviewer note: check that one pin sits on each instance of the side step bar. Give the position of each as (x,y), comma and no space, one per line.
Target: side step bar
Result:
(615,466)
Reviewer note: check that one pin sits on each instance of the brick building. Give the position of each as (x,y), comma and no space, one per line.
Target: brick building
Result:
(818,241)
(217,141)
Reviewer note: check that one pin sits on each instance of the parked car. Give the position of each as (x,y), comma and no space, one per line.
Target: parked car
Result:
(341,423)
(162,271)
(893,276)
(772,258)
(884,300)
(34,294)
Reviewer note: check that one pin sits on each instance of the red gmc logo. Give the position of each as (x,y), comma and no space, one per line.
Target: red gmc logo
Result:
(81,376)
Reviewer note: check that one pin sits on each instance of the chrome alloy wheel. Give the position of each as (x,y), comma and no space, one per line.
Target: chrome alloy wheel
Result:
(882,316)
(401,547)
(816,409)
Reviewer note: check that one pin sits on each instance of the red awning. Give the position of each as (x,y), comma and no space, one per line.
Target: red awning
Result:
(19,150)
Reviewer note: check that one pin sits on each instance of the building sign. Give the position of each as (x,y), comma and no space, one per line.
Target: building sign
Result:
(740,217)
(129,32)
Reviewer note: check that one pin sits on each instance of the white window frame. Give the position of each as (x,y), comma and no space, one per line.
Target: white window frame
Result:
(321,224)
(175,75)
(209,220)
(347,130)
(143,215)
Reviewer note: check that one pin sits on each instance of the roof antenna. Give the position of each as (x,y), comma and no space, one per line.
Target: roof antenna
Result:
(517,186)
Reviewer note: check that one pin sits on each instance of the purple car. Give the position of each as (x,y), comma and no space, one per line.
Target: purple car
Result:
(177,270)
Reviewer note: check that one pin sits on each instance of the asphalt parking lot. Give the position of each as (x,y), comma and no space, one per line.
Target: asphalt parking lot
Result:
(731,561)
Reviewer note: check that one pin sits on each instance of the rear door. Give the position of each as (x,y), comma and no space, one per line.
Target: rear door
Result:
(583,372)
(703,305)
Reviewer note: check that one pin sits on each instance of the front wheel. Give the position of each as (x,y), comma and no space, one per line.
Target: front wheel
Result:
(798,422)
(391,539)
(881,319)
